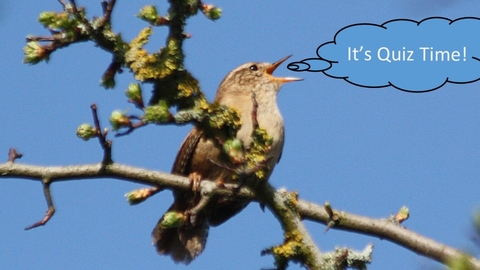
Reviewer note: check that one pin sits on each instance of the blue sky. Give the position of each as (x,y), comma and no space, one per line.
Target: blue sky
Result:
(366,151)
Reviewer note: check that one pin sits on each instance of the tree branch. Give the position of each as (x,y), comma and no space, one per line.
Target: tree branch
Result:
(385,229)
(381,228)
(298,244)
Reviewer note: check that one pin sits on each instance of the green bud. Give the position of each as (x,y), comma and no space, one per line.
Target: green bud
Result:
(86,132)
(212,12)
(234,150)
(402,214)
(118,120)
(158,113)
(460,263)
(34,53)
(107,82)
(108,79)
(61,20)
(47,18)
(134,94)
(137,196)
(149,14)
(172,219)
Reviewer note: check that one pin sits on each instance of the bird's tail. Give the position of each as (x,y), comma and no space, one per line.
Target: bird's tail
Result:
(182,243)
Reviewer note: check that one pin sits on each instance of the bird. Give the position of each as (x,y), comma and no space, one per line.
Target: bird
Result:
(200,155)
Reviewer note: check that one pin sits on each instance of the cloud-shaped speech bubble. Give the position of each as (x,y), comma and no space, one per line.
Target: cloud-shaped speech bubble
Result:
(408,55)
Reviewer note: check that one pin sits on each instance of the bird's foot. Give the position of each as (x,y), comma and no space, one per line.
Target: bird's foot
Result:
(195,180)
(187,219)
(220,183)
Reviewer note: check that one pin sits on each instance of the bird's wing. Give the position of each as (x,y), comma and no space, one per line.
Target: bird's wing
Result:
(182,163)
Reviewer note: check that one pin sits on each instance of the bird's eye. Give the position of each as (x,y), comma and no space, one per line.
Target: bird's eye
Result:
(253,67)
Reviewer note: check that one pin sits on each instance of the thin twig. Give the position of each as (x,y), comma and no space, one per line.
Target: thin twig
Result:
(74,7)
(132,128)
(105,144)
(63,3)
(108,10)
(40,38)
(74,11)
(204,200)
(13,155)
(51,207)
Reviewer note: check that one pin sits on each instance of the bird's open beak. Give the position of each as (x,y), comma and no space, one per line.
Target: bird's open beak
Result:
(274,66)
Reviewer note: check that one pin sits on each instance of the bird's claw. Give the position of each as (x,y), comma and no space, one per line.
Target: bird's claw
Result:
(195,180)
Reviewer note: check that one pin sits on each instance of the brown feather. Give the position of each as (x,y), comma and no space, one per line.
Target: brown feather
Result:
(198,150)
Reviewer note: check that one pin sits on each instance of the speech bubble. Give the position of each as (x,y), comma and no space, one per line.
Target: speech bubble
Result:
(408,55)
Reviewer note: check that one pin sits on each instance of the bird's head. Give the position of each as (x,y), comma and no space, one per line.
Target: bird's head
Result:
(255,77)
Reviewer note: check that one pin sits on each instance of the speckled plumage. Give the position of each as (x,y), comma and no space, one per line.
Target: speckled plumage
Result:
(198,151)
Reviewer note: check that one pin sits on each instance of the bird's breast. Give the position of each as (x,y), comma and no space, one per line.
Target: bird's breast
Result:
(269,118)
(267,115)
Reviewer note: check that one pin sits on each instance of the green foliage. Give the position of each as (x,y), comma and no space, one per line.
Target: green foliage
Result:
(460,263)
(138,196)
(119,119)
(212,12)
(149,14)
(259,149)
(34,53)
(172,219)
(86,132)
(235,151)
(158,113)
(64,22)
(134,94)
